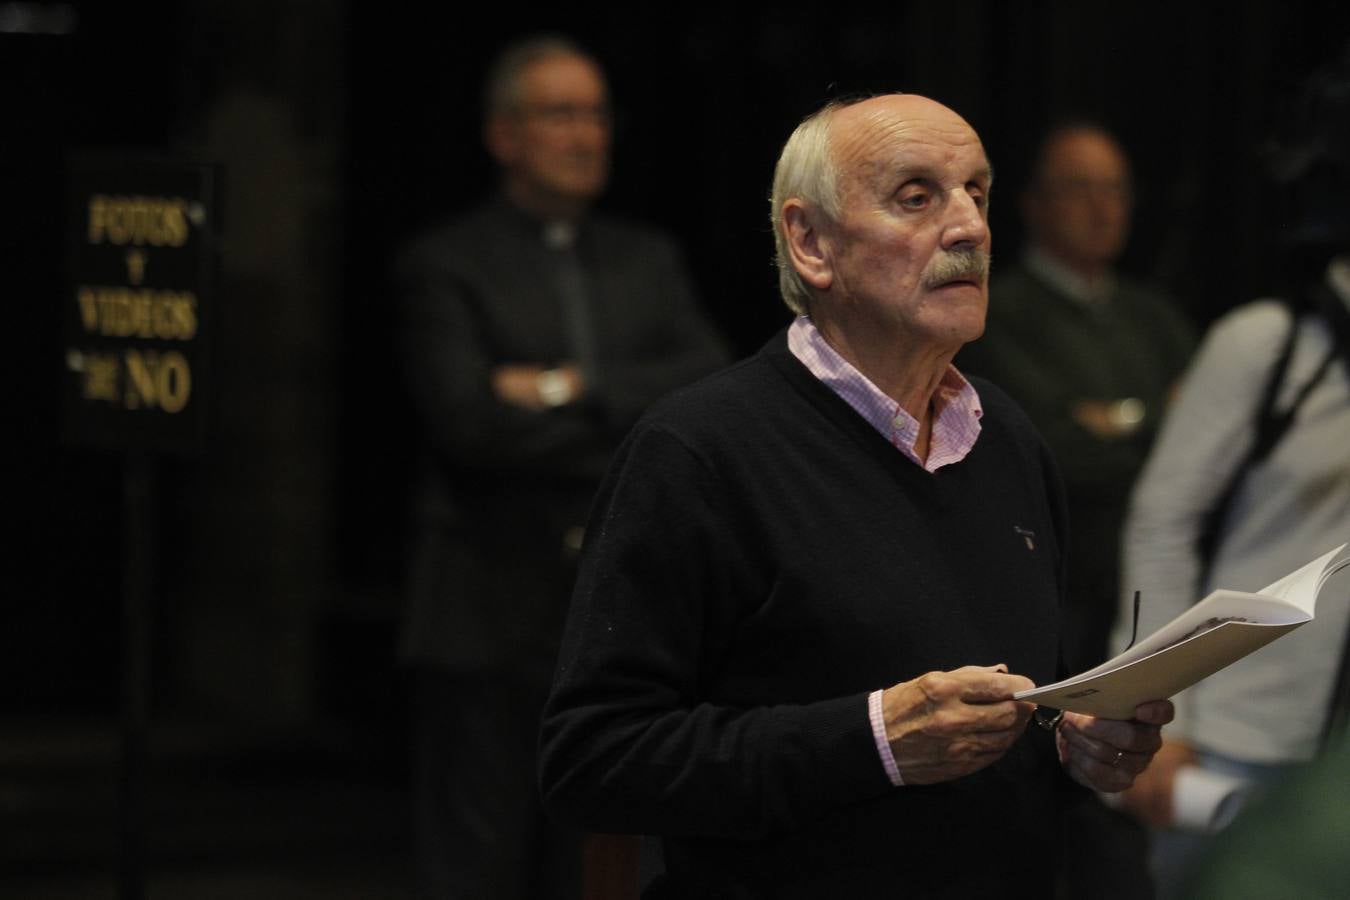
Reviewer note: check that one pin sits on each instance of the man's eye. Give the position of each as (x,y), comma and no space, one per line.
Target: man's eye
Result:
(916,200)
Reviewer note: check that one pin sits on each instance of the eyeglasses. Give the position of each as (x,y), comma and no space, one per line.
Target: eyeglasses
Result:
(1089,188)
(566,114)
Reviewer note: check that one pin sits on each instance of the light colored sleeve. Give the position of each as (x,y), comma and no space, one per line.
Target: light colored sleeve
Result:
(878,720)
(1205,435)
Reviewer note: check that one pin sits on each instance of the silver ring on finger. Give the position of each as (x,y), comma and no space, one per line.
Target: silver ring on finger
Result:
(1115,763)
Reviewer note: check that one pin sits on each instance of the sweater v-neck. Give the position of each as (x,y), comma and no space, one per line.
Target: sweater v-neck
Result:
(838,411)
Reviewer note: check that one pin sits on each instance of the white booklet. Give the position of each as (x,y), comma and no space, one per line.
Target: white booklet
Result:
(1217,631)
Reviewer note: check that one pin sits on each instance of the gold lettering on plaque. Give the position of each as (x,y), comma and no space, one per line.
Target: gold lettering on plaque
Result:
(157,379)
(121,220)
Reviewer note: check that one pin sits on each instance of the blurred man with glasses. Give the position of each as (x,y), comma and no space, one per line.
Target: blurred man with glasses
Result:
(1091,355)
(535,331)
(1088,352)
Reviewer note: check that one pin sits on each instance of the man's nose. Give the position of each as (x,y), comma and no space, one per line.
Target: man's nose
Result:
(966,225)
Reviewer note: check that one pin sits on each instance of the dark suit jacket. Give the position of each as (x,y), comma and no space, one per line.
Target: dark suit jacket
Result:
(501,486)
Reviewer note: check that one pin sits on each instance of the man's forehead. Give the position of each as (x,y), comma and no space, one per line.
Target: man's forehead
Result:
(1083,149)
(905,131)
(561,75)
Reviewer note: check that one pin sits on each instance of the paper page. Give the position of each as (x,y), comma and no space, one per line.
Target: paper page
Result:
(1217,631)
(1218,607)
(1115,694)
(1301,585)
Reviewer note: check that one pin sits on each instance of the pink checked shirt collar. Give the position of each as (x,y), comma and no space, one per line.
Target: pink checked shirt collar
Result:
(955,428)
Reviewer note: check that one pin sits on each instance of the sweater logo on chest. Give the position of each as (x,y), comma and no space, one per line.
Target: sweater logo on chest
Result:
(1028,536)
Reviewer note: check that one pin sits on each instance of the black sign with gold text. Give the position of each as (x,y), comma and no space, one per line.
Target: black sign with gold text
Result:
(141,252)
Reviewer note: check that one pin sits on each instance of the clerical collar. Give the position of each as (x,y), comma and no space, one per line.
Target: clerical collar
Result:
(559,234)
(555,234)
(1068,282)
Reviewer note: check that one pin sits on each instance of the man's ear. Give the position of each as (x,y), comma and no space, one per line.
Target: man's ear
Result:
(808,246)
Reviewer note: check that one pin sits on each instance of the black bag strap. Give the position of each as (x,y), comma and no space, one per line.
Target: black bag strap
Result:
(1274,425)
(1207,543)
(1271,425)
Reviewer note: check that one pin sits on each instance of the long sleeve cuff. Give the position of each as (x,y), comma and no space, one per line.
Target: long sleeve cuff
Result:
(874,714)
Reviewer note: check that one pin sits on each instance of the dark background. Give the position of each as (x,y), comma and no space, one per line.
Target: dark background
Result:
(342,129)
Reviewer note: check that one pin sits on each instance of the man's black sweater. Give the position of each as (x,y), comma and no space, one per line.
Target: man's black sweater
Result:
(759,559)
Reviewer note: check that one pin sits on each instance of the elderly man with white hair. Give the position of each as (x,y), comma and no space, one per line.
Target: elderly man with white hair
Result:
(814,582)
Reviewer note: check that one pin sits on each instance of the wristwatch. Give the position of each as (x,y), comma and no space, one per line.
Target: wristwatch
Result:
(1127,415)
(554,387)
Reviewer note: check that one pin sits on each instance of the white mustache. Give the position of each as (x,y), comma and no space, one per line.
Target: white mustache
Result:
(958,265)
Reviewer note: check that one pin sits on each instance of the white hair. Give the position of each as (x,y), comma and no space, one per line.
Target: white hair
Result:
(502,89)
(805,171)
